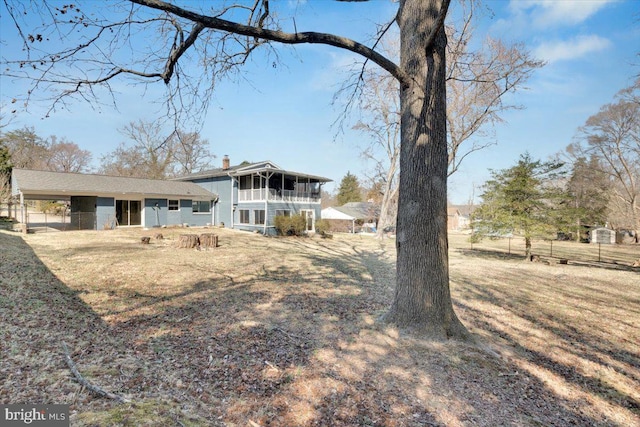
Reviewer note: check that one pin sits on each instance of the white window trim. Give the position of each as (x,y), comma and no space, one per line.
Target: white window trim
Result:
(255,212)
(169,207)
(240,216)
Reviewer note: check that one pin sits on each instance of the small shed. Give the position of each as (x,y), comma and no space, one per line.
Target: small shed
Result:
(603,235)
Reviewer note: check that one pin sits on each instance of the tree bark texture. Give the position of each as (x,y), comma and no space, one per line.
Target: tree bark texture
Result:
(422,298)
(188,241)
(208,240)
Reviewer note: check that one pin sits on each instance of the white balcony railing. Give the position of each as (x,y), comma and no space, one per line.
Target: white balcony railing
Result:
(278,195)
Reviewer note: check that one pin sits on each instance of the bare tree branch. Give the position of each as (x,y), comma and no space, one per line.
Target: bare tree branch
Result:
(180,50)
(282,37)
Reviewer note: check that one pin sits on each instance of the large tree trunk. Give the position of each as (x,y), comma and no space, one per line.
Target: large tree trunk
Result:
(422,298)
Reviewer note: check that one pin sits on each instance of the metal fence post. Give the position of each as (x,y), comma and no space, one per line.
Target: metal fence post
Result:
(599,247)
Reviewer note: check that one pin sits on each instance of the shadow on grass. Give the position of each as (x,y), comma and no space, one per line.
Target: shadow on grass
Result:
(578,343)
(289,346)
(37,313)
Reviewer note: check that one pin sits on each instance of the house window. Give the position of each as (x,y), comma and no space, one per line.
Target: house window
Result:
(174,205)
(201,207)
(245,182)
(283,212)
(258,216)
(244,216)
(257,182)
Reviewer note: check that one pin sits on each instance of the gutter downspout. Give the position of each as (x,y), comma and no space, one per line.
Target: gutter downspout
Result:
(231,198)
(22,209)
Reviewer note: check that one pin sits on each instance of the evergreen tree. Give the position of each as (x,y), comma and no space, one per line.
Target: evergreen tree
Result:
(26,148)
(5,160)
(522,199)
(5,174)
(350,190)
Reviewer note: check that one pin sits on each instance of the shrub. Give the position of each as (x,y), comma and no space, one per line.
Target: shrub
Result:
(323,227)
(294,225)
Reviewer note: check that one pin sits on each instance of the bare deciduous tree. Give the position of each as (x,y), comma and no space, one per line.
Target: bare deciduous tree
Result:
(380,104)
(66,156)
(477,82)
(155,153)
(169,35)
(191,153)
(149,155)
(613,137)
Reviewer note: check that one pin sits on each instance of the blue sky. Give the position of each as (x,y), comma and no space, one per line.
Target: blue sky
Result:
(284,114)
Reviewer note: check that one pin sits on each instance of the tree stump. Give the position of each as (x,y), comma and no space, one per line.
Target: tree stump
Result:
(145,240)
(158,236)
(188,241)
(209,240)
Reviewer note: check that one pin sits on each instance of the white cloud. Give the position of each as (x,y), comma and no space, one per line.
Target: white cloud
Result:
(549,13)
(571,49)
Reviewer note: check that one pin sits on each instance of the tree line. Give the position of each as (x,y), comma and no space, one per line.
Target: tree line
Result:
(148,152)
(595,182)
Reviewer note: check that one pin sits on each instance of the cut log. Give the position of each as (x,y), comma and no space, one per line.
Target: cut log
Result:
(188,241)
(145,240)
(209,240)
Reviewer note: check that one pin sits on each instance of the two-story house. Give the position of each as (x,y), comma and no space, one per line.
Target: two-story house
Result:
(251,195)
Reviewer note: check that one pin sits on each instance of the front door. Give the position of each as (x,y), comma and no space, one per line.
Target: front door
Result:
(309,217)
(129,212)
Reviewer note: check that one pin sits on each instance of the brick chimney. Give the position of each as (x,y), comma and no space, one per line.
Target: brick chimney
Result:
(225,162)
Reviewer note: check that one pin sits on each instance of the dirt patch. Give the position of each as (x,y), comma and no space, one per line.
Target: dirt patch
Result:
(276,331)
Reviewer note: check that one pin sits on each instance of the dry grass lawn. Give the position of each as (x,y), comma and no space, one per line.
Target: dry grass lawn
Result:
(283,332)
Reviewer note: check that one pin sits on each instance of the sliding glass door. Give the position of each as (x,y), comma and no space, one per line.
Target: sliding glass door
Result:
(129,212)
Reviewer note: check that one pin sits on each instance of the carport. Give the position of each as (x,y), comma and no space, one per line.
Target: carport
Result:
(99,202)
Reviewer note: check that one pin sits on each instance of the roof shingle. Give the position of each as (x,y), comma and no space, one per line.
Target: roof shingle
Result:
(64,184)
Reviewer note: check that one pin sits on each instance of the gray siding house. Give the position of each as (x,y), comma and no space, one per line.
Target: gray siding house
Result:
(100,202)
(250,195)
